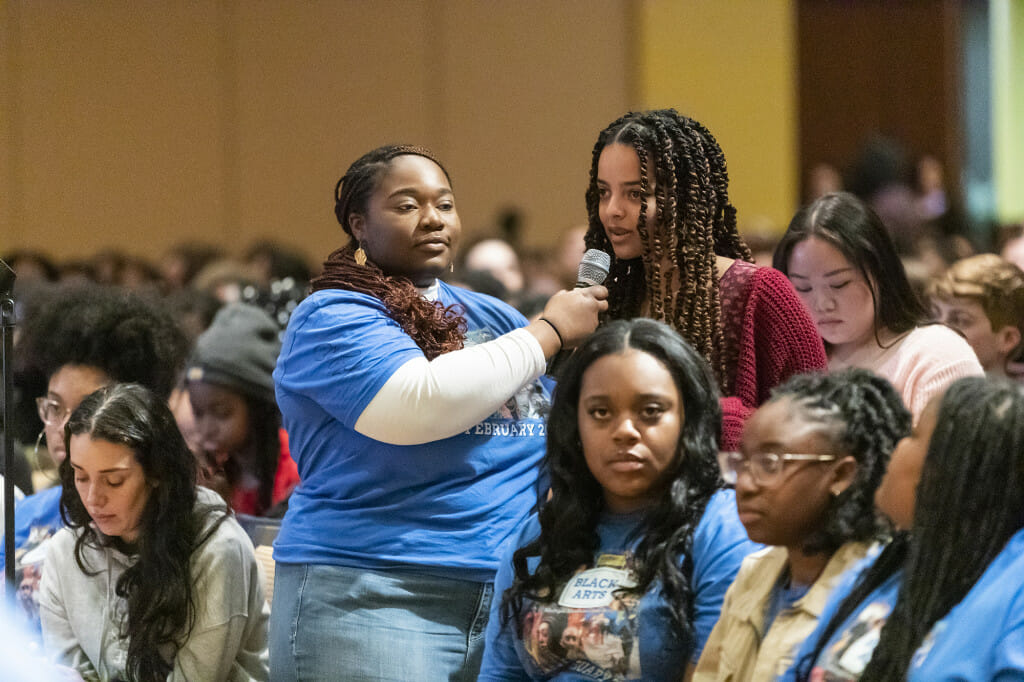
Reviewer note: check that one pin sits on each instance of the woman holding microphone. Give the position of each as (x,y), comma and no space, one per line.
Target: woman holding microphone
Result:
(416,418)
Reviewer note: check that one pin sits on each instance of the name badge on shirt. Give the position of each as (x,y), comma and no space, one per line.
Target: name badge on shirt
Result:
(594,587)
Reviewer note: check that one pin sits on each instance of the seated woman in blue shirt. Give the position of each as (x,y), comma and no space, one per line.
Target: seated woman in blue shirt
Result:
(623,573)
(946,601)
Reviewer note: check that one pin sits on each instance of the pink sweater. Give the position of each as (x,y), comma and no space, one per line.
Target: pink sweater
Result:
(922,363)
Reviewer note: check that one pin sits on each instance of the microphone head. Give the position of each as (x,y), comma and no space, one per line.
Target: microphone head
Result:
(593,268)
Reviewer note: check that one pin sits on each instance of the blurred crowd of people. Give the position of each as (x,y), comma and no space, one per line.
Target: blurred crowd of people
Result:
(731,460)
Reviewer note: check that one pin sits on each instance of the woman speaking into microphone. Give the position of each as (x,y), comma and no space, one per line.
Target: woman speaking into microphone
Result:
(416,418)
(658,200)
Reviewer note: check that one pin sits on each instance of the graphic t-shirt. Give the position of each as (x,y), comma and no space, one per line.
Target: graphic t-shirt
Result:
(442,508)
(592,632)
(589,629)
(36,519)
(980,639)
(848,651)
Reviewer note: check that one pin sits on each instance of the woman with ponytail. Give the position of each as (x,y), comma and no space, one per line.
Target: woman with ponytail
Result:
(416,419)
(806,473)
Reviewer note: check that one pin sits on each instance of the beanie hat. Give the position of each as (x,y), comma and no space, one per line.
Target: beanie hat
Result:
(238,351)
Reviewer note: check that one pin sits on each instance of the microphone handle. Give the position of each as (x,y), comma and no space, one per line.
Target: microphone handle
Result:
(562,356)
(558,362)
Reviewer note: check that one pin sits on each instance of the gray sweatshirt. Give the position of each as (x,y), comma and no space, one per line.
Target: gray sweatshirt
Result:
(81,614)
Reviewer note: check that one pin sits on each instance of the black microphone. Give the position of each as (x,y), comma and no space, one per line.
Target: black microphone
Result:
(593,268)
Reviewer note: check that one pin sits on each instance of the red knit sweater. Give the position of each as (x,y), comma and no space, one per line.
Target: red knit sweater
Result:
(769,337)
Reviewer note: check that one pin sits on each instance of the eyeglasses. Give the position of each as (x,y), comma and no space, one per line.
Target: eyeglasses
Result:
(764,467)
(51,411)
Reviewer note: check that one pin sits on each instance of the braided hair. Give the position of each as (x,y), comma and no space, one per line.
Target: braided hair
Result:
(970,502)
(436,329)
(694,223)
(569,519)
(862,414)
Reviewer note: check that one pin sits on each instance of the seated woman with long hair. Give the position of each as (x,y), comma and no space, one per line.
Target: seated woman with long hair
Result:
(944,601)
(622,574)
(842,262)
(231,390)
(810,461)
(151,579)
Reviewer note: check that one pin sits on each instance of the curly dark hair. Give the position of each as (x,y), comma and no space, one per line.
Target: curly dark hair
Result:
(863,416)
(158,587)
(436,329)
(128,337)
(568,520)
(694,223)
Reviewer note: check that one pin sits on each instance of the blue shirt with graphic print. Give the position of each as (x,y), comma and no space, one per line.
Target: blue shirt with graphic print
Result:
(981,638)
(442,508)
(591,633)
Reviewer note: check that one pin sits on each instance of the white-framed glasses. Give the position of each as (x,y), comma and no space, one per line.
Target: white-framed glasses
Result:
(764,467)
(52,412)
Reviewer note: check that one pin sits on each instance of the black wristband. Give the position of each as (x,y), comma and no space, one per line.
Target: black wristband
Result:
(561,342)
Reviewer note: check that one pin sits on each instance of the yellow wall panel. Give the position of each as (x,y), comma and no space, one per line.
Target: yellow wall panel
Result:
(731,65)
(1007,46)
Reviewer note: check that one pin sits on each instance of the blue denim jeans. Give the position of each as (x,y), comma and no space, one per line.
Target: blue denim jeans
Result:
(339,623)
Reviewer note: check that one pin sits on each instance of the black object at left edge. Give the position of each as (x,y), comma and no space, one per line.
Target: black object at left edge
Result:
(7,277)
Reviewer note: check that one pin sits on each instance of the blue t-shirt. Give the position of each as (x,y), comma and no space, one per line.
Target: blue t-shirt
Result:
(981,638)
(36,519)
(442,508)
(784,597)
(850,647)
(590,633)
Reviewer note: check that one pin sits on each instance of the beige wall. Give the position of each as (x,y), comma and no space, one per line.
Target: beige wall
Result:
(139,125)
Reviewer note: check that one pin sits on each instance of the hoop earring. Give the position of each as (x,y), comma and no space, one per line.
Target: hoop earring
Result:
(35,459)
(35,450)
(360,256)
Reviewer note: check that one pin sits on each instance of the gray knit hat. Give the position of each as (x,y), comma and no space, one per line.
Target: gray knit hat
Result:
(238,351)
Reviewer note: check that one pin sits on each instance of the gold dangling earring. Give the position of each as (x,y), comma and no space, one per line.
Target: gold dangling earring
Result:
(451,266)
(360,256)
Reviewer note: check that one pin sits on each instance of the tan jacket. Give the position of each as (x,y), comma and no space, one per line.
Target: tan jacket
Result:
(738,649)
